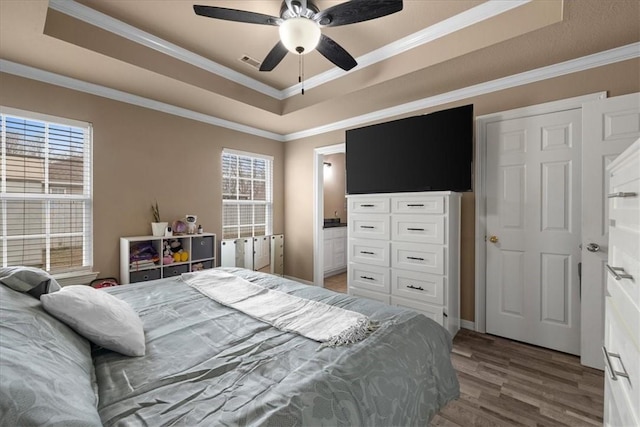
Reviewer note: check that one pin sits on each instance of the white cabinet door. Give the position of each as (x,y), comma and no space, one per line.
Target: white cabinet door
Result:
(328,253)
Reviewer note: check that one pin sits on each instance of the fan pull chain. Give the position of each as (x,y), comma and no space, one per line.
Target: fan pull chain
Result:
(301,72)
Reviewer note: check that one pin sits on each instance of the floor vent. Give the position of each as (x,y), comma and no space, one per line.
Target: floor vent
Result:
(250,61)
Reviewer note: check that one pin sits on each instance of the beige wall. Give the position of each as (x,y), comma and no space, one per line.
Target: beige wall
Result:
(142,155)
(335,203)
(617,79)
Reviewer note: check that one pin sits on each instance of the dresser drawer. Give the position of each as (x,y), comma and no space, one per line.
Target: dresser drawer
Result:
(368,205)
(369,277)
(418,257)
(621,338)
(418,204)
(624,257)
(431,311)
(369,227)
(363,293)
(418,228)
(616,406)
(374,252)
(624,192)
(418,286)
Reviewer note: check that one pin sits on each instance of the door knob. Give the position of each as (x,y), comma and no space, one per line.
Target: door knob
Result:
(493,239)
(593,247)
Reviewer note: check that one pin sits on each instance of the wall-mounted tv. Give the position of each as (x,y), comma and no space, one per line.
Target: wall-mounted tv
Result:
(432,152)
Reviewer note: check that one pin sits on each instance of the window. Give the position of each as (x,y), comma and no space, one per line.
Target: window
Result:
(247,196)
(45,192)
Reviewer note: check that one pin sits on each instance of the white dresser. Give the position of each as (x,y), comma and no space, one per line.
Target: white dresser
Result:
(622,306)
(403,250)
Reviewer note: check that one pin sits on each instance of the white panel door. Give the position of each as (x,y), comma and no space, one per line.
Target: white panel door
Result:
(609,127)
(533,229)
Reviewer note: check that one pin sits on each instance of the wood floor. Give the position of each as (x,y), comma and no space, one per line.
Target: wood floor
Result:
(337,282)
(508,383)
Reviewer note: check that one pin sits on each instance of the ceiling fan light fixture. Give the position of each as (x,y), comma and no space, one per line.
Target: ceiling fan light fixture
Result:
(300,35)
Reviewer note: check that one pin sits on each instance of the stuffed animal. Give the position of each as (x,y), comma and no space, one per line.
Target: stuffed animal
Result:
(179,254)
(167,255)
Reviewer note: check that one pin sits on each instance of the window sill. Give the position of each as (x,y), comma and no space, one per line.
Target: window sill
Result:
(75,277)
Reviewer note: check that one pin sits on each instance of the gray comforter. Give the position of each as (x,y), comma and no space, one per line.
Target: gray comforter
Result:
(207,364)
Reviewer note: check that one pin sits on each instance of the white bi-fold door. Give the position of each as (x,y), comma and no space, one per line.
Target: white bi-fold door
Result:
(533,213)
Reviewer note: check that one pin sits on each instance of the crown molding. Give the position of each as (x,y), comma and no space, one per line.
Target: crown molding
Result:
(136,35)
(600,59)
(465,19)
(117,95)
(623,53)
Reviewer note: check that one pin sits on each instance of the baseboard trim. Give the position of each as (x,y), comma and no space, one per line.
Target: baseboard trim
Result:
(467,324)
(295,279)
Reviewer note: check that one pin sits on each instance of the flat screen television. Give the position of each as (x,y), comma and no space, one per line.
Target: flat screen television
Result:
(432,152)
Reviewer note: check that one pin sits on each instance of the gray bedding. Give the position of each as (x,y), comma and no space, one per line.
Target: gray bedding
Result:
(207,364)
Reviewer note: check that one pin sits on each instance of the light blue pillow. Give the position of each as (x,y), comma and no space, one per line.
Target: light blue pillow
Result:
(47,376)
(31,280)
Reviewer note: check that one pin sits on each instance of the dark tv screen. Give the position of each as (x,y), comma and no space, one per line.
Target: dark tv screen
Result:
(432,152)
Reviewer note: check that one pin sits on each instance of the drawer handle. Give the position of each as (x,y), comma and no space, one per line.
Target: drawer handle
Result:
(367,253)
(367,226)
(615,273)
(367,278)
(417,288)
(415,205)
(415,229)
(415,258)
(621,194)
(367,206)
(613,374)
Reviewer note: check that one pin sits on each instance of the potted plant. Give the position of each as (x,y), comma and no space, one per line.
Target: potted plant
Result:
(157,227)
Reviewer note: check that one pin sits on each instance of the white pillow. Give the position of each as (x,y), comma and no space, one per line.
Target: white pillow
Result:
(98,316)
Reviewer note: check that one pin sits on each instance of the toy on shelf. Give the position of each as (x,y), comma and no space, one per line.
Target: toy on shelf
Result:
(177,252)
(167,254)
(191,223)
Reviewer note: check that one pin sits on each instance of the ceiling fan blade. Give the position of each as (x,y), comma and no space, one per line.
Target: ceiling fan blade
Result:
(354,11)
(274,57)
(335,53)
(236,15)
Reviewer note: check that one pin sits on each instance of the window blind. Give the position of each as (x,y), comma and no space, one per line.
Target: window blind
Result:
(45,192)
(247,194)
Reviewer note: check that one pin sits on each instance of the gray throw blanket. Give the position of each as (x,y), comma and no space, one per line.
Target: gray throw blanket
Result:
(332,326)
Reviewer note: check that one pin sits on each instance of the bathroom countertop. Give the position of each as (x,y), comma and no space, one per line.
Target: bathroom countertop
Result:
(335,224)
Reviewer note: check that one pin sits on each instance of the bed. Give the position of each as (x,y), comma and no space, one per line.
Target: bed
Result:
(208,364)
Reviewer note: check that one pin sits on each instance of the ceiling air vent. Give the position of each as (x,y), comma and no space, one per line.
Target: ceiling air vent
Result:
(250,61)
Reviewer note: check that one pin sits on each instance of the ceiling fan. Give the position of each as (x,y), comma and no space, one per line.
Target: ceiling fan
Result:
(300,22)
